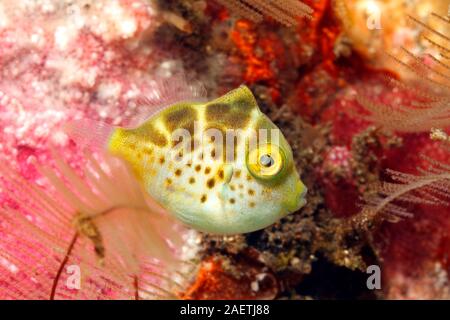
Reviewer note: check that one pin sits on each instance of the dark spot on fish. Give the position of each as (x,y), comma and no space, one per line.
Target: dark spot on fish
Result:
(252,204)
(191,180)
(215,111)
(228,115)
(221,174)
(162,160)
(203,198)
(251,192)
(217,135)
(178,172)
(210,183)
(182,116)
(232,201)
(207,170)
(169,181)
(232,187)
(238,173)
(186,143)
(198,168)
(153,135)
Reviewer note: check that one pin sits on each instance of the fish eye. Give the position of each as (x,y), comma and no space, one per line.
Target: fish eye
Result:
(266,161)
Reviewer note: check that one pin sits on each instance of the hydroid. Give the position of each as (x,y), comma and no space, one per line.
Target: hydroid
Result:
(428,92)
(429,187)
(286,12)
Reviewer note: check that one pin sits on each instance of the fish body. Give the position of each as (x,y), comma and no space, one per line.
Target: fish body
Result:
(208,165)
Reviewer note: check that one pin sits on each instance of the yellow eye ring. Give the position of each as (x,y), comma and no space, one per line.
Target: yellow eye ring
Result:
(266,161)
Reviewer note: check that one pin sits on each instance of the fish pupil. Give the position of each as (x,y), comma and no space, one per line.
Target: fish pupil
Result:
(266,161)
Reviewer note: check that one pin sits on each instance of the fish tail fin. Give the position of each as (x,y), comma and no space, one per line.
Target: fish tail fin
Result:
(90,134)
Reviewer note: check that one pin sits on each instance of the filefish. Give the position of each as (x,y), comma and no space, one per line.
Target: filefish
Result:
(221,167)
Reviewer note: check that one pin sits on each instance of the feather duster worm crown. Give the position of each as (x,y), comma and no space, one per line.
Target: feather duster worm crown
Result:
(96,237)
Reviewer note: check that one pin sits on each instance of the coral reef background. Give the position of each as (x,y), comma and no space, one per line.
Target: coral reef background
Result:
(350,111)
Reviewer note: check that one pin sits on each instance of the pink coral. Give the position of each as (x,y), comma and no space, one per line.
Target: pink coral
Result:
(67,60)
(341,194)
(62,61)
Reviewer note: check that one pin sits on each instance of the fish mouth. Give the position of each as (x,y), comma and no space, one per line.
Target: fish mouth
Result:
(303,194)
(302,198)
(299,200)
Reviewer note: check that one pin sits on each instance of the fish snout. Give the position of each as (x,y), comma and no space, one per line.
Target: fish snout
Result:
(302,195)
(296,198)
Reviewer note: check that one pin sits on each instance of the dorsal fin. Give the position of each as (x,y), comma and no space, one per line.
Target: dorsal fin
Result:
(241,98)
(160,93)
(233,110)
(164,92)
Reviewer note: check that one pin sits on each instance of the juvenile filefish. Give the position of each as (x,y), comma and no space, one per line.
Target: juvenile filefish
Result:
(220,167)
